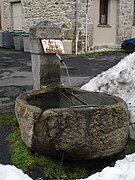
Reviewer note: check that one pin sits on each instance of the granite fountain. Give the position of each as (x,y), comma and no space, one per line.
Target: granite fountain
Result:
(55,119)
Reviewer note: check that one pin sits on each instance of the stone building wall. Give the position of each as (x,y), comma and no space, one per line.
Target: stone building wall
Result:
(63,13)
(60,12)
(7,23)
(125,19)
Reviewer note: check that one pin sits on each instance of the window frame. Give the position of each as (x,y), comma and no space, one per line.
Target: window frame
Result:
(103,4)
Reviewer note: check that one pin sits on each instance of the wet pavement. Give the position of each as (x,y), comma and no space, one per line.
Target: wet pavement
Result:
(16,75)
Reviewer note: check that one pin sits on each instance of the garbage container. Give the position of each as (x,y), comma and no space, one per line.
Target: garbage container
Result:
(6,39)
(26,42)
(18,40)
(1,39)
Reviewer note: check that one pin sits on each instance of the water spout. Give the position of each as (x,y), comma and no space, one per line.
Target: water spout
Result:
(59,57)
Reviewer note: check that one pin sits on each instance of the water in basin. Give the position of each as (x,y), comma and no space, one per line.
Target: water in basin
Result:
(65,99)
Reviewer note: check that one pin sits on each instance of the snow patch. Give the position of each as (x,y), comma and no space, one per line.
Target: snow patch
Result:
(9,172)
(123,170)
(119,81)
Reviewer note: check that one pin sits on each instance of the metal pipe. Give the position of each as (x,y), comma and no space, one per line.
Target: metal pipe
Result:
(85,106)
(76,97)
(59,57)
(76,26)
(86,30)
(86,43)
(67,98)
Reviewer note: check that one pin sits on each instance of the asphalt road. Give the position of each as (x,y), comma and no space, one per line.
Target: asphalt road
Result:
(16,75)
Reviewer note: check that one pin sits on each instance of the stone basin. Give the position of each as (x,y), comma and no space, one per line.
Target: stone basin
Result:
(52,124)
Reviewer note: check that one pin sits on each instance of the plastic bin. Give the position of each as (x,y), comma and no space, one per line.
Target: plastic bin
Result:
(18,40)
(26,42)
(7,40)
(1,39)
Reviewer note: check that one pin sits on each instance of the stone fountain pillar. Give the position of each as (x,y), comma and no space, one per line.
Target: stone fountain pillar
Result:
(45,67)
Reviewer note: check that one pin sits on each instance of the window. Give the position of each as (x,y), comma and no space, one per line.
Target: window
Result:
(103,12)
(17,15)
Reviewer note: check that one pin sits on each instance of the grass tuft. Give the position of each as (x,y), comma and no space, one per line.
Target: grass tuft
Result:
(101,53)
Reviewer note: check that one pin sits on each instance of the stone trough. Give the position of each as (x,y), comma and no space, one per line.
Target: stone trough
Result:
(62,122)
(56,120)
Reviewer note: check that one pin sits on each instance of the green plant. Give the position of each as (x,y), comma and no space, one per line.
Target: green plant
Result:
(101,53)
(92,55)
(130,147)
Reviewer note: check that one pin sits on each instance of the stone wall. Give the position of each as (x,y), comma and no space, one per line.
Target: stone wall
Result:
(7,23)
(60,12)
(125,19)
(63,13)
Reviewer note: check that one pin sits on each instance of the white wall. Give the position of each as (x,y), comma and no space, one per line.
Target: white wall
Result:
(105,35)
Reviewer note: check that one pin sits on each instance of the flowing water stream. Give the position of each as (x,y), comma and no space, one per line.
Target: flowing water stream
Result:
(65,66)
(69,80)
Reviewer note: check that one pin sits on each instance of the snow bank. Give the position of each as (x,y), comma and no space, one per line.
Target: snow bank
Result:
(123,170)
(119,81)
(9,172)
